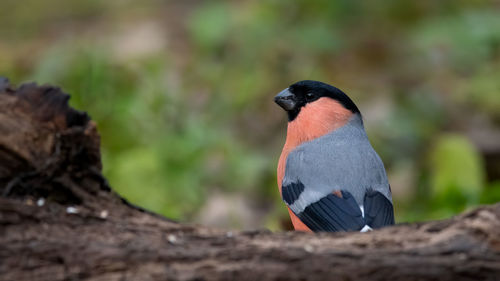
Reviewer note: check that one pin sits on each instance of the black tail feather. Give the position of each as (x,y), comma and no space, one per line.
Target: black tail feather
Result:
(379,211)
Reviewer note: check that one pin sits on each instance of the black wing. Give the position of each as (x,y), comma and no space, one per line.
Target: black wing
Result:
(341,213)
(331,213)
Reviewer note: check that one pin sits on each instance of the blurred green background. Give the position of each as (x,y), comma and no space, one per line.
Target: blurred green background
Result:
(182,94)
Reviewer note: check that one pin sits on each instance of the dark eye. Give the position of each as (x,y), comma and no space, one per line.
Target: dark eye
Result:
(310,96)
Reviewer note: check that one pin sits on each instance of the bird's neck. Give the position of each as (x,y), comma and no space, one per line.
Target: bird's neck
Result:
(315,119)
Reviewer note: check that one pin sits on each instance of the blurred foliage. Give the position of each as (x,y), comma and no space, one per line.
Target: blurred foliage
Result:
(457,176)
(182,92)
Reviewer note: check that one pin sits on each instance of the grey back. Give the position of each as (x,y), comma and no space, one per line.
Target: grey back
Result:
(341,160)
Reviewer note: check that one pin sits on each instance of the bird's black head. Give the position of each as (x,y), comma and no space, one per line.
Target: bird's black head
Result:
(293,98)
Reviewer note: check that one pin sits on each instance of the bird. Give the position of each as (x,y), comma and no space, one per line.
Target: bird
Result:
(329,176)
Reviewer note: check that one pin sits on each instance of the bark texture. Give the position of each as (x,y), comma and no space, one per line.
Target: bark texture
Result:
(59,220)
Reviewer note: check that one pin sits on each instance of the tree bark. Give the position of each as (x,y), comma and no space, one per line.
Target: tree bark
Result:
(59,220)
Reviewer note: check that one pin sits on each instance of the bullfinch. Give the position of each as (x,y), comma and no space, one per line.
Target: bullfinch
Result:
(329,175)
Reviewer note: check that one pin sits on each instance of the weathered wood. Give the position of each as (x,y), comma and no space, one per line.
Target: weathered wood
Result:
(59,220)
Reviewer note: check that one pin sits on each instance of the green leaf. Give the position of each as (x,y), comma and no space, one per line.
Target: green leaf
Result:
(457,170)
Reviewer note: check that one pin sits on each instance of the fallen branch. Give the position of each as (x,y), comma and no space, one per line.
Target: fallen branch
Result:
(59,220)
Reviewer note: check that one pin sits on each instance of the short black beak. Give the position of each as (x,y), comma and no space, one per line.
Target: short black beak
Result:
(286,100)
